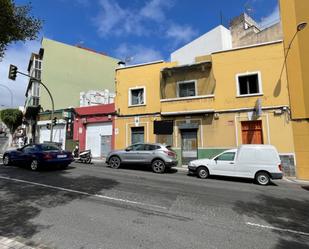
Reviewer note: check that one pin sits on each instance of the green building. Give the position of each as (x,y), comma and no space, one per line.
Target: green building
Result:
(67,71)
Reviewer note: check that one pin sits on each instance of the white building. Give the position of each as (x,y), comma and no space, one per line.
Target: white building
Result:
(216,39)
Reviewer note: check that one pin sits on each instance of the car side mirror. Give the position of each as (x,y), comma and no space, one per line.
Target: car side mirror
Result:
(128,149)
(19,149)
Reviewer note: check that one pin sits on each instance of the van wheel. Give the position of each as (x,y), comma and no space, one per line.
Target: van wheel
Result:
(262,178)
(202,172)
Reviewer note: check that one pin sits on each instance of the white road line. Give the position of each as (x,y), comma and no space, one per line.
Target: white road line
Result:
(84,193)
(277,228)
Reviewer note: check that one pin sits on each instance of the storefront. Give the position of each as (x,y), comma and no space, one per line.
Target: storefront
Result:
(93,129)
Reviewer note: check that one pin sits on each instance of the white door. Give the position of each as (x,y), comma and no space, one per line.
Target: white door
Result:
(58,134)
(94,132)
(224,164)
(44,134)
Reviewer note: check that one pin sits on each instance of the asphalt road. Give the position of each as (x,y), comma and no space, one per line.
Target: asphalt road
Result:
(98,207)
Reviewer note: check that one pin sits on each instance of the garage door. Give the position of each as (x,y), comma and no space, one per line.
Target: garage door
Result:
(58,134)
(94,134)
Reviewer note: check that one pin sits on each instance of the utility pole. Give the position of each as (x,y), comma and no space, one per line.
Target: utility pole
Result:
(12,75)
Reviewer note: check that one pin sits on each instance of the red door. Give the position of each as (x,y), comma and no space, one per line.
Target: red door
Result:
(252,132)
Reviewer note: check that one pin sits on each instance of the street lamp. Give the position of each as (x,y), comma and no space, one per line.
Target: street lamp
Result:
(300,26)
(10,91)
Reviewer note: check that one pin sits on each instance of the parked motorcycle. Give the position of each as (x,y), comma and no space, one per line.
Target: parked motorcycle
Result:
(83,156)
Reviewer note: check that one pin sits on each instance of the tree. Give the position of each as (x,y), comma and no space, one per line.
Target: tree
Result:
(16,24)
(12,118)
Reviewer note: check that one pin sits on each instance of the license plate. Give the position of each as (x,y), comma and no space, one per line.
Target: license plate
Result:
(61,156)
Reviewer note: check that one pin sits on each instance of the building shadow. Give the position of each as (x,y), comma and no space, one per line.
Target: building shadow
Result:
(232,179)
(284,213)
(145,168)
(21,202)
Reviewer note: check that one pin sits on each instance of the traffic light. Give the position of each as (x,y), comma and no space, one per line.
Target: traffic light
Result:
(12,72)
(48,126)
(54,121)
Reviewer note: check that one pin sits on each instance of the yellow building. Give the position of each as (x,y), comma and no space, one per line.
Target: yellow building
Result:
(221,101)
(293,14)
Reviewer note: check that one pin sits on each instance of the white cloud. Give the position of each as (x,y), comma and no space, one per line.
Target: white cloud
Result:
(113,19)
(180,33)
(19,55)
(155,9)
(271,19)
(137,53)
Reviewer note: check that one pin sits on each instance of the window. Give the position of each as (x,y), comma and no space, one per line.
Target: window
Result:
(186,89)
(36,69)
(49,147)
(136,147)
(165,139)
(28,149)
(137,135)
(228,156)
(137,96)
(35,89)
(151,147)
(249,84)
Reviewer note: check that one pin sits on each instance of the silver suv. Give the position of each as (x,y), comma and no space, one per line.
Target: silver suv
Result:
(159,156)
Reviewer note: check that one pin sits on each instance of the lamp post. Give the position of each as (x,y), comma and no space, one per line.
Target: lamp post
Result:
(10,91)
(12,75)
(300,26)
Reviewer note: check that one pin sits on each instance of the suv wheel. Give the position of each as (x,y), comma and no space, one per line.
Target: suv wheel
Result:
(158,166)
(202,172)
(114,162)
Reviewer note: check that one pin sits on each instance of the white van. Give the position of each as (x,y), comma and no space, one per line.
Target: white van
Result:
(256,161)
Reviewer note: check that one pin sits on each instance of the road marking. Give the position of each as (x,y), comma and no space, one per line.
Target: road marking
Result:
(84,193)
(277,228)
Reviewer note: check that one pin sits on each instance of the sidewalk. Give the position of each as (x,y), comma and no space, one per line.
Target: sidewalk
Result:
(295,180)
(18,243)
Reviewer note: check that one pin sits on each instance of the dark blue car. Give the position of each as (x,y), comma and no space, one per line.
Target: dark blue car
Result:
(38,155)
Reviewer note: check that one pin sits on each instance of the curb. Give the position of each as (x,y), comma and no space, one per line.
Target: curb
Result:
(294,180)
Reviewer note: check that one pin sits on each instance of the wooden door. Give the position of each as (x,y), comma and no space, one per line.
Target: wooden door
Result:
(252,132)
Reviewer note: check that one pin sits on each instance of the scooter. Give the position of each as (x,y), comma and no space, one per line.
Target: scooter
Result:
(83,156)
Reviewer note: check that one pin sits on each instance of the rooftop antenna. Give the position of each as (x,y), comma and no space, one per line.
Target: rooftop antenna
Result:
(248,8)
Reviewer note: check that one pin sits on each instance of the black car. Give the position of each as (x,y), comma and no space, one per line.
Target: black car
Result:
(38,155)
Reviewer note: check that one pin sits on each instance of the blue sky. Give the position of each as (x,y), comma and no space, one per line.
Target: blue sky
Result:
(136,29)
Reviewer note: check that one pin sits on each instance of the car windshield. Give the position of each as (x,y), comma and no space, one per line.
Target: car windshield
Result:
(48,147)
